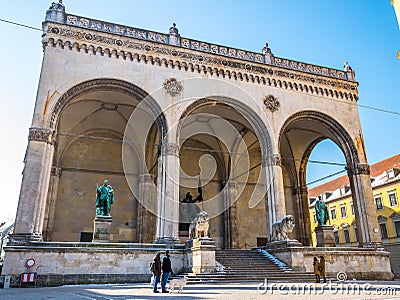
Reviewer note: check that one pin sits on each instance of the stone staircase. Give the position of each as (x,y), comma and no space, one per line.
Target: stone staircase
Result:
(249,266)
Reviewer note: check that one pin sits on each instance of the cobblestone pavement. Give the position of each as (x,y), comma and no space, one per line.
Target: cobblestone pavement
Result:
(266,290)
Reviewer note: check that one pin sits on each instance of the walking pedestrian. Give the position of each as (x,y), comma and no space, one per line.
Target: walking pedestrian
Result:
(316,270)
(166,271)
(156,270)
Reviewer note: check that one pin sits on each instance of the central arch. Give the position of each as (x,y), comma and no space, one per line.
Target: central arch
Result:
(229,229)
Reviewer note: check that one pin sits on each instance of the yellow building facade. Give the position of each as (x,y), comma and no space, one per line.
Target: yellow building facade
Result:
(385,181)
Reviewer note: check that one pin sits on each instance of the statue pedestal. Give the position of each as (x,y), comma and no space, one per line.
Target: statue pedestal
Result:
(283,244)
(325,236)
(203,253)
(101,232)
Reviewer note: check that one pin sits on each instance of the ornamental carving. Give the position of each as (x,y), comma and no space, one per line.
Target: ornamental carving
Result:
(272,160)
(41,135)
(173,87)
(223,52)
(271,103)
(169,149)
(358,169)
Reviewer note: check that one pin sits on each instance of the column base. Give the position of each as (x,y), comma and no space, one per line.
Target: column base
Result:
(325,236)
(24,238)
(102,226)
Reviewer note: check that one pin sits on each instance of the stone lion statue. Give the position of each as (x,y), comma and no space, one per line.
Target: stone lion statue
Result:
(199,226)
(281,229)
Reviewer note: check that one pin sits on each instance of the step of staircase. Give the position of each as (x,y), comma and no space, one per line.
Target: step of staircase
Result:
(249,266)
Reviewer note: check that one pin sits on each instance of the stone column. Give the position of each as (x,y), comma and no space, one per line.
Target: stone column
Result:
(51,202)
(275,197)
(302,215)
(367,224)
(34,187)
(145,232)
(232,233)
(168,195)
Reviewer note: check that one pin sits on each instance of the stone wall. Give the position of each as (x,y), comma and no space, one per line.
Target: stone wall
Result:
(82,263)
(358,263)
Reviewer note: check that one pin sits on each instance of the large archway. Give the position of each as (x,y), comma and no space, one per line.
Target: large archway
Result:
(90,120)
(236,166)
(298,137)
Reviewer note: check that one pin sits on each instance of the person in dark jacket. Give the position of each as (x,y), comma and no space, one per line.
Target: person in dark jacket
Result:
(156,271)
(166,271)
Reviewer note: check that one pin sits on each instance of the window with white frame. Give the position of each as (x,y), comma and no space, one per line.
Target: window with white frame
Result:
(378,202)
(315,218)
(333,213)
(383,229)
(343,212)
(352,208)
(392,198)
(390,174)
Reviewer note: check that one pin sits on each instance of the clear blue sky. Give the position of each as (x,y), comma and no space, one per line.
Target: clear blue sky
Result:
(327,33)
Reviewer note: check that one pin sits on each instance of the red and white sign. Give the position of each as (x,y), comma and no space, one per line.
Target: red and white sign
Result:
(28,277)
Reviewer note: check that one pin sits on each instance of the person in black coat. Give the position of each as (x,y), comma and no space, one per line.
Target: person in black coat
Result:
(156,271)
(166,271)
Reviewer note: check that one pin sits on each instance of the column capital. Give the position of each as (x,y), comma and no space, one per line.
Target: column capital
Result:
(56,171)
(145,178)
(169,149)
(358,169)
(41,135)
(272,160)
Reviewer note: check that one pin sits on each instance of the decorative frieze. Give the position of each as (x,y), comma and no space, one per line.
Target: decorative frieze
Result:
(41,135)
(271,103)
(246,71)
(173,38)
(173,87)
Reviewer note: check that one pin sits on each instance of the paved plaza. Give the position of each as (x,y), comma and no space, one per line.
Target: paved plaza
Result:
(266,290)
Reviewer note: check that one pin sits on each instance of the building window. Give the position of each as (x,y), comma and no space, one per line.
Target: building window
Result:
(397,227)
(355,234)
(352,208)
(390,174)
(346,236)
(336,234)
(392,198)
(343,212)
(315,218)
(383,228)
(333,213)
(378,202)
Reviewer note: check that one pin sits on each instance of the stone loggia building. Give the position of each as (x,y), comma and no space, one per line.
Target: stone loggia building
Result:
(96,75)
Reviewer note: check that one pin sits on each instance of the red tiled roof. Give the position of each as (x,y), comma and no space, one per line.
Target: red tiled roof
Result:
(376,169)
